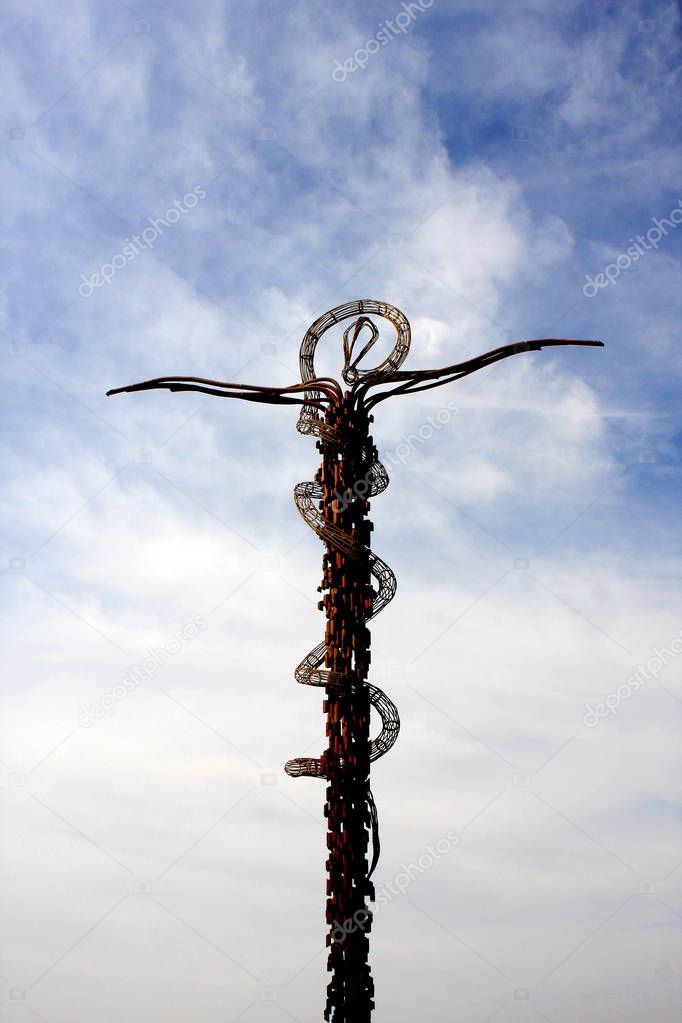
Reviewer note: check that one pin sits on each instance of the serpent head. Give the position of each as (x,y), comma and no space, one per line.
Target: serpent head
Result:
(351,337)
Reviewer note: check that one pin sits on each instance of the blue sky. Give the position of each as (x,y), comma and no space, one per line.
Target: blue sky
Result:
(483,166)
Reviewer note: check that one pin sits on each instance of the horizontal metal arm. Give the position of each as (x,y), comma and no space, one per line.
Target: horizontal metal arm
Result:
(422,380)
(328,388)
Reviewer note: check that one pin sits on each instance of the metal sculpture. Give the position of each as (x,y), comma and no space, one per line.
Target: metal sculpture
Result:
(356,585)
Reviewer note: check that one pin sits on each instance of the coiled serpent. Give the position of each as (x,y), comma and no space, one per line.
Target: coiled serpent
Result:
(310,672)
(309,498)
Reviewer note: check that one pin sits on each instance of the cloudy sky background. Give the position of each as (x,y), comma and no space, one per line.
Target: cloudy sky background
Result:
(472,174)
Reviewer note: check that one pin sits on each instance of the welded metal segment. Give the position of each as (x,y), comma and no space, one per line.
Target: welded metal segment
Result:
(356,585)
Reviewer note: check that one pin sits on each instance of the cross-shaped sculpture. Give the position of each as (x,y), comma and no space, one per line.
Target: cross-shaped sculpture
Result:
(356,585)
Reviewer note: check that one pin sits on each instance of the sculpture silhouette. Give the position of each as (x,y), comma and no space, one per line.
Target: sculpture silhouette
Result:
(356,585)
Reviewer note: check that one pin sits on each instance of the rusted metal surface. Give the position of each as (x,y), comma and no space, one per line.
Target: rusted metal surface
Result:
(356,585)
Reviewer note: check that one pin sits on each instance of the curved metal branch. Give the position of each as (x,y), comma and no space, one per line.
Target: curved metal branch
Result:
(246,392)
(413,381)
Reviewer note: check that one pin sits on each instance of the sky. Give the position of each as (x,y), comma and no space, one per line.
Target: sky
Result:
(498,171)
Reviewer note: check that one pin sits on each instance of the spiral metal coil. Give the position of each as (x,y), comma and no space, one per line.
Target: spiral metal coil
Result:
(310,672)
(309,496)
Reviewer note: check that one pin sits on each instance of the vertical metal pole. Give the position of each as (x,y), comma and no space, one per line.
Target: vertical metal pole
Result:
(348,601)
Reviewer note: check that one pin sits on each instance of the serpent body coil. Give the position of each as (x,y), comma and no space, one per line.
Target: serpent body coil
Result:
(343,434)
(308,497)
